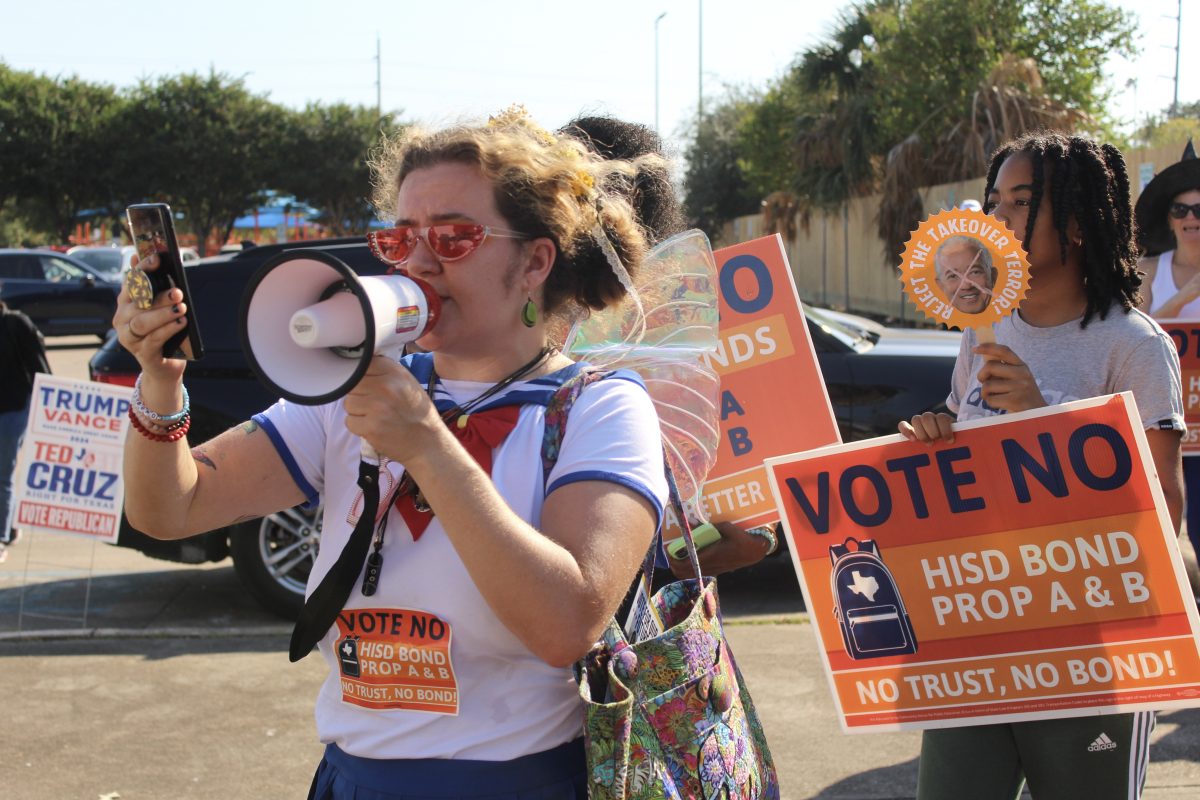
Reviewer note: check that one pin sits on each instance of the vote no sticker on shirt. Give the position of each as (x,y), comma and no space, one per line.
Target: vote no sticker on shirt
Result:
(396,658)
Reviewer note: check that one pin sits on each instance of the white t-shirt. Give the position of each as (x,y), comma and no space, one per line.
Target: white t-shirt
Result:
(424,668)
(1124,352)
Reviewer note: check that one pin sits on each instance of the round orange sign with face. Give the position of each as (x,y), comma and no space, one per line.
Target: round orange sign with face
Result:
(964,269)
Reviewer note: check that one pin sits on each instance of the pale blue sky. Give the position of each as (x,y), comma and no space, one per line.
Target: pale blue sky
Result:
(443,60)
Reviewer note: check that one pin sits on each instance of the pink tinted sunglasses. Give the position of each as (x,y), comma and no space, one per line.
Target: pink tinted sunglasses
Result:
(449,241)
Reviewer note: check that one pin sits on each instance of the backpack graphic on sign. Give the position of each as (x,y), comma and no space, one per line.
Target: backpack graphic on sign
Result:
(867,603)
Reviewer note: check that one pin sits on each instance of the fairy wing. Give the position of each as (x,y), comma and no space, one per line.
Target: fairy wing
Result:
(665,330)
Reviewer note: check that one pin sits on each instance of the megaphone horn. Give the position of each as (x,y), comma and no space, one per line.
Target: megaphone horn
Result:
(310,326)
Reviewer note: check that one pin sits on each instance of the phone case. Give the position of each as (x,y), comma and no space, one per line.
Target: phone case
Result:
(702,535)
(152,228)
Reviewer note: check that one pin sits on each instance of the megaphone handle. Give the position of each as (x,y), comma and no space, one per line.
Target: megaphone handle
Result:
(393,354)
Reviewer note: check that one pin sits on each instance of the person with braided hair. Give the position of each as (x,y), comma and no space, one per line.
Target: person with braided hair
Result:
(448,656)
(1078,334)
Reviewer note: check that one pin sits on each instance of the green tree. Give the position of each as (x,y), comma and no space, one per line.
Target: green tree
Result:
(204,144)
(715,187)
(325,149)
(907,93)
(1168,128)
(56,141)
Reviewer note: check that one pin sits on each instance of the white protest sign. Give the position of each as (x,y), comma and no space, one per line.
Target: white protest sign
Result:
(70,481)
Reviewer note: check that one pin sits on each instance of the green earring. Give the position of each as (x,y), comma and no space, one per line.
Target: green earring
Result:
(529,314)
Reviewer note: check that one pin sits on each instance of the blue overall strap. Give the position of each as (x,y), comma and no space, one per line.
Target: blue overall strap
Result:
(557,410)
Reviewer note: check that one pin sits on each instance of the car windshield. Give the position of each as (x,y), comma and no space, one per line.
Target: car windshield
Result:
(104,259)
(58,270)
(842,329)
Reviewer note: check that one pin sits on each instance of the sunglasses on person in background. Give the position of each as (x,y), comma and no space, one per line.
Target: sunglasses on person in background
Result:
(1180,210)
(449,242)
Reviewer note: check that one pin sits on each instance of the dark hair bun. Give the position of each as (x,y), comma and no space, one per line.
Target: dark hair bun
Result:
(650,191)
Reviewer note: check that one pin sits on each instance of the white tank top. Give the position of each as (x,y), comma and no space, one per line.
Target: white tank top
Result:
(1164,288)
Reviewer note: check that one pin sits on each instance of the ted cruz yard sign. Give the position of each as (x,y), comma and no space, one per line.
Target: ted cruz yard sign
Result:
(71,479)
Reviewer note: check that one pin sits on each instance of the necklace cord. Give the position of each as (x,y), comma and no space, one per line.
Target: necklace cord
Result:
(407,485)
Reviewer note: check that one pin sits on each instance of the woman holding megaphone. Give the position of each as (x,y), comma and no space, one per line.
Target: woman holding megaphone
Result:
(456,583)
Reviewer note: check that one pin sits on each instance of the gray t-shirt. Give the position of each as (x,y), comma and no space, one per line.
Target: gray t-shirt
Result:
(1125,352)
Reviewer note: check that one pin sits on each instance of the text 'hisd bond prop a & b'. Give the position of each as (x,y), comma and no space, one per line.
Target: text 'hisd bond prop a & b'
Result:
(965,269)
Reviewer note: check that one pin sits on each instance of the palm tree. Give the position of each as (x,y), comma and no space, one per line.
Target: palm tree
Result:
(1008,103)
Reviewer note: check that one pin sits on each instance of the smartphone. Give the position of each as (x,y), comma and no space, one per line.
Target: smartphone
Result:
(153,230)
(702,535)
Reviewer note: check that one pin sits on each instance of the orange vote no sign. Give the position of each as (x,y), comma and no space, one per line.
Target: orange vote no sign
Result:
(770,378)
(1027,570)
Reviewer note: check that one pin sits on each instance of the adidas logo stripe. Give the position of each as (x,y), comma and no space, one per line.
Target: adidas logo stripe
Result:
(1101,744)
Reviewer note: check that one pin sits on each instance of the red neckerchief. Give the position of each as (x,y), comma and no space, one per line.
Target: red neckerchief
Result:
(480,433)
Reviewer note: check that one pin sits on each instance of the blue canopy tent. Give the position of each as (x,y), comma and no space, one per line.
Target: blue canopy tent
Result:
(276,216)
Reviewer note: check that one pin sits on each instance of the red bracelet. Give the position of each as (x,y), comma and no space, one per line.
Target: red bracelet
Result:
(154,427)
(173,436)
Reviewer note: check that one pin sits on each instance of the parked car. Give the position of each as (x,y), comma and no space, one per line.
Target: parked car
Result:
(875,376)
(112,262)
(63,296)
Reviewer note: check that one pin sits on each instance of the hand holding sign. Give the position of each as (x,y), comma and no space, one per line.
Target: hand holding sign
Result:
(965,269)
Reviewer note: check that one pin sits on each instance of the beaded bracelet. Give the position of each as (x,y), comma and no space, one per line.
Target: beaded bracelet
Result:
(174,436)
(136,400)
(155,427)
(768,533)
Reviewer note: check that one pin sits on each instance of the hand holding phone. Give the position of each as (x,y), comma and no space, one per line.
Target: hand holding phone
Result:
(702,535)
(153,232)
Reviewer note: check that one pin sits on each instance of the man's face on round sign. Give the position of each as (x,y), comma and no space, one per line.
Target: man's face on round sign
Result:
(965,274)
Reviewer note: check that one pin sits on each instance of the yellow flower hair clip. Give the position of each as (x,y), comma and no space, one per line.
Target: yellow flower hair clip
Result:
(582,183)
(516,115)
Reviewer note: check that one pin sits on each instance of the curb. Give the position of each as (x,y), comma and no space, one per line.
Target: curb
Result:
(52,634)
(283,629)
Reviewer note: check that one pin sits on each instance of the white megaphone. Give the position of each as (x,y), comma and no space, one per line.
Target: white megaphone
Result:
(310,325)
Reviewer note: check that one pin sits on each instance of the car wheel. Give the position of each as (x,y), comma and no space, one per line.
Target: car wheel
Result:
(274,555)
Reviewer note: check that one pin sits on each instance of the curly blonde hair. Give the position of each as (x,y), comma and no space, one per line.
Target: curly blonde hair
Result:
(545,186)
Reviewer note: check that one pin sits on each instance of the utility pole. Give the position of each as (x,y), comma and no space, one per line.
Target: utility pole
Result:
(1178,31)
(657,20)
(378,79)
(700,71)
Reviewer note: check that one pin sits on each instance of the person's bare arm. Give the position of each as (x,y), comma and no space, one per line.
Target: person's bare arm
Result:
(734,550)
(1148,267)
(554,588)
(1166,449)
(173,492)
(1173,306)
(169,492)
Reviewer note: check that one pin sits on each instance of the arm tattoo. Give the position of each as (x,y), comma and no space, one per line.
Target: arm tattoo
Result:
(249,426)
(200,456)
